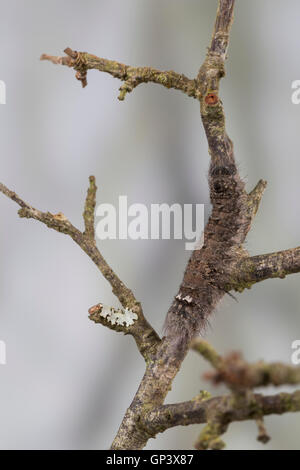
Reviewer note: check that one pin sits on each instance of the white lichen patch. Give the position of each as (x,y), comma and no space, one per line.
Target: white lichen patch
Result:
(122,317)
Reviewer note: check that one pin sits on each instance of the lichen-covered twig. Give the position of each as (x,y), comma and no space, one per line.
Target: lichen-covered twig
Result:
(131,76)
(146,338)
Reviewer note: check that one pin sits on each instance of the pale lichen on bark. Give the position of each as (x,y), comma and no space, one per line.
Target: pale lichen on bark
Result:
(114,316)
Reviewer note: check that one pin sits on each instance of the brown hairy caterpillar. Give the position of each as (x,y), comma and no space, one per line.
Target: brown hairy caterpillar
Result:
(208,270)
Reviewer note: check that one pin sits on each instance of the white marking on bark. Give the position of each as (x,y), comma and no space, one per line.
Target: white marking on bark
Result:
(118,316)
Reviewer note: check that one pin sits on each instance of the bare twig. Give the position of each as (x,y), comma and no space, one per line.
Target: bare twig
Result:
(146,338)
(131,76)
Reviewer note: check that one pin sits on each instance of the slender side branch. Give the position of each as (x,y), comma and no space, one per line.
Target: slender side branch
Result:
(208,352)
(210,436)
(89,209)
(255,269)
(131,76)
(146,338)
(255,196)
(236,372)
(263,435)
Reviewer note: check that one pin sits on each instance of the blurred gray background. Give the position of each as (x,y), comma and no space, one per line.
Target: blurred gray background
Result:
(68,382)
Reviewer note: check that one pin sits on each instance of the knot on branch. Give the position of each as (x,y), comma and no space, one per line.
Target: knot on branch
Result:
(79,64)
(211,99)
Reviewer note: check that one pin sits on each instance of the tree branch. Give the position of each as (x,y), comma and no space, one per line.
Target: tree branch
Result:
(241,377)
(235,372)
(146,338)
(251,270)
(221,265)
(228,409)
(131,76)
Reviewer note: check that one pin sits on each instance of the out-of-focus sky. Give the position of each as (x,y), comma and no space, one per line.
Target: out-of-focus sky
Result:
(68,382)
